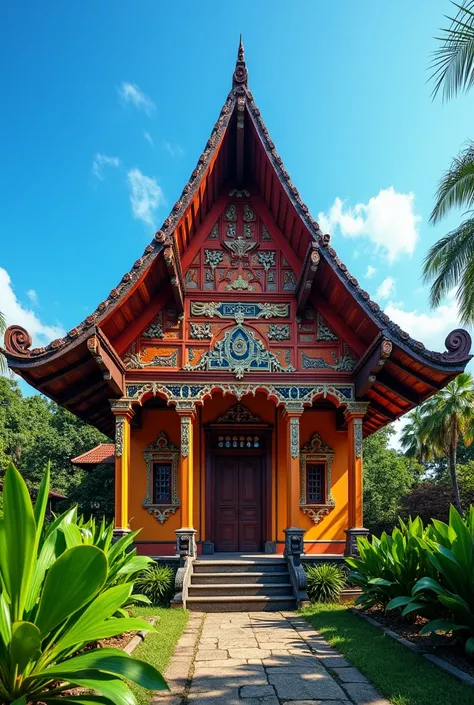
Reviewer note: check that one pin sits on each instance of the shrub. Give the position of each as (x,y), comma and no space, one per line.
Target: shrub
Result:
(54,601)
(157,583)
(325,582)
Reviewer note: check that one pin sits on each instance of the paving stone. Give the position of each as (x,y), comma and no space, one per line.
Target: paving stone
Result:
(211,655)
(314,686)
(350,675)
(256,691)
(229,696)
(365,694)
(333,661)
(267,700)
(249,653)
(315,702)
(220,664)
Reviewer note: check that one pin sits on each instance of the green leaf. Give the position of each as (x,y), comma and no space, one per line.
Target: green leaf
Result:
(469,647)
(20,538)
(72,581)
(440,625)
(5,621)
(25,644)
(414,607)
(20,701)
(79,700)
(397,602)
(136,565)
(112,661)
(42,503)
(104,684)
(428,584)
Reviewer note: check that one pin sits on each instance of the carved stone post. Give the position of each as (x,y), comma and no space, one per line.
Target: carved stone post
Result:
(293,533)
(186,543)
(354,415)
(122,410)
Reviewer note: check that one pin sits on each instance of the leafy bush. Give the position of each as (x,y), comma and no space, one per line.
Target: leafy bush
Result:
(449,595)
(325,582)
(157,583)
(390,566)
(55,599)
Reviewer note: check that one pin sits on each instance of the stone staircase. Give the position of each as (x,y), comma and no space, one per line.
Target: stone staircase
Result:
(237,585)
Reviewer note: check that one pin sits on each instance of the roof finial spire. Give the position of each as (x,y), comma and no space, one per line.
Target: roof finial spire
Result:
(240,73)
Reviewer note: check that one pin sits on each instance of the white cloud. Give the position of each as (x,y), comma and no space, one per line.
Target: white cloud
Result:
(101,160)
(145,196)
(388,220)
(430,327)
(16,313)
(33,296)
(174,149)
(386,289)
(148,137)
(131,93)
(370,272)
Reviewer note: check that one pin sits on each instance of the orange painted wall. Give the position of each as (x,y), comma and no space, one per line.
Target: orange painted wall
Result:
(328,531)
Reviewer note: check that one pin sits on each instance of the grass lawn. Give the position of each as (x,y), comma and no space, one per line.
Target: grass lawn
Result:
(405,678)
(158,646)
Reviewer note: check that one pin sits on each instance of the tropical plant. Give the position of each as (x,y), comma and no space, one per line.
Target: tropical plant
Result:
(156,583)
(449,263)
(449,594)
(390,566)
(325,582)
(52,606)
(412,439)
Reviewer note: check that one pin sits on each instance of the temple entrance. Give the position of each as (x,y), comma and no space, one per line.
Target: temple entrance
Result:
(238,502)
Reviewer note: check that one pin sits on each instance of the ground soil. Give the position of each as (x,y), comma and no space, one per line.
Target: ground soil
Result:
(447,647)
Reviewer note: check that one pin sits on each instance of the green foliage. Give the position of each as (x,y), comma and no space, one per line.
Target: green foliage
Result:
(390,566)
(446,592)
(388,477)
(60,591)
(325,582)
(157,584)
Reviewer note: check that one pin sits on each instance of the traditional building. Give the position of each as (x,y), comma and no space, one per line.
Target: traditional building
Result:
(238,364)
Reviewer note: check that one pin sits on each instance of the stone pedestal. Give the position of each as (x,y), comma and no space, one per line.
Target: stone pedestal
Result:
(186,542)
(294,542)
(270,547)
(118,533)
(351,548)
(207,548)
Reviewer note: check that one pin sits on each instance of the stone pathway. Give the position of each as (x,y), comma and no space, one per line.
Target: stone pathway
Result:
(260,658)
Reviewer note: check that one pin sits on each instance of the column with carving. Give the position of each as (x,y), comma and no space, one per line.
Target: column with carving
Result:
(293,533)
(354,415)
(122,410)
(186,542)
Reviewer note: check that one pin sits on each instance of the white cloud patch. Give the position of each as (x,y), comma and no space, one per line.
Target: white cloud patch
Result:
(430,327)
(102,160)
(174,149)
(145,196)
(386,289)
(131,93)
(148,138)
(388,220)
(370,272)
(16,313)
(33,296)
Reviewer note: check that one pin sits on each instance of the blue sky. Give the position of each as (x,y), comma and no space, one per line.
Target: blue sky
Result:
(106,107)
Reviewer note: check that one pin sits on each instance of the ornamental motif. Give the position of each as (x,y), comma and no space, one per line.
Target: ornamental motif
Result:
(155,329)
(267,259)
(324,333)
(239,247)
(239,351)
(313,451)
(345,364)
(190,279)
(185,435)
(136,361)
(119,424)
(316,514)
(239,194)
(358,437)
(239,311)
(289,281)
(238,413)
(248,213)
(162,450)
(265,234)
(230,232)
(231,213)
(240,284)
(200,331)
(214,234)
(279,332)
(294,436)
(213,258)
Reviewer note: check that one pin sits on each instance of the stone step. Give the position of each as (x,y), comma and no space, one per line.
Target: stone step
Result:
(252,578)
(240,590)
(263,566)
(254,603)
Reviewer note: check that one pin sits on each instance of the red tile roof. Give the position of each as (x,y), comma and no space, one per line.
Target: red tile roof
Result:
(103,453)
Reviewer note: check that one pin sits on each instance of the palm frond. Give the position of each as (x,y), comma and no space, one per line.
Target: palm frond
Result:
(456,188)
(453,61)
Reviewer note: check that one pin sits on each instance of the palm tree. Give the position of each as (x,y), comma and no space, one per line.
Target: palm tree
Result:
(449,263)
(412,440)
(3,327)
(446,418)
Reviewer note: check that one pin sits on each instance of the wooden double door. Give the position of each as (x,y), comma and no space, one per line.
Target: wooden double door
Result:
(238,520)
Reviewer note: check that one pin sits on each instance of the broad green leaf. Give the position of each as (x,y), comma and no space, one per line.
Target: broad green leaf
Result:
(102,630)
(42,503)
(136,565)
(20,539)
(397,602)
(462,544)
(138,598)
(20,701)
(469,647)
(108,686)
(5,620)
(25,644)
(414,607)
(79,700)
(429,584)
(72,534)
(72,581)
(112,661)
(440,625)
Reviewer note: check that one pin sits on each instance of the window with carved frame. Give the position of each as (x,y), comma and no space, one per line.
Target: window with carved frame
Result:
(161,459)
(315,464)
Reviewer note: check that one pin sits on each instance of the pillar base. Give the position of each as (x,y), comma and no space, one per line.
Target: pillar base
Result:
(294,541)
(351,548)
(119,532)
(207,548)
(186,542)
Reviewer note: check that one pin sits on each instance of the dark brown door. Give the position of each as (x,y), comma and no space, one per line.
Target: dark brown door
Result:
(238,503)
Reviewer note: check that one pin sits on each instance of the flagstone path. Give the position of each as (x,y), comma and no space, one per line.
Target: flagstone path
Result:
(260,658)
